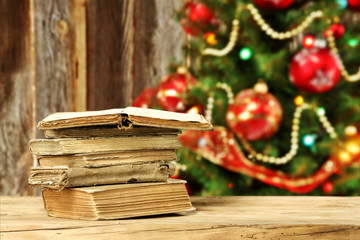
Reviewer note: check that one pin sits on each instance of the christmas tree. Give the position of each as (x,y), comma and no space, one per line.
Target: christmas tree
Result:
(280,82)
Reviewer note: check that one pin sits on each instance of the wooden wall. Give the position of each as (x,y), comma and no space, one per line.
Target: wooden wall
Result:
(16,96)
(75,55)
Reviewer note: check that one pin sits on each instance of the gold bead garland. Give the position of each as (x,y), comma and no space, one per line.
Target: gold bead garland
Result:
(294,140)
(265,27)
(210,101)
(282,35)
(209,107)
(331,42)
(294,137)
(231,44)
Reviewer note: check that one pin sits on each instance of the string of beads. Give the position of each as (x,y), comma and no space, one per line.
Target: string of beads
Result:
(294,140)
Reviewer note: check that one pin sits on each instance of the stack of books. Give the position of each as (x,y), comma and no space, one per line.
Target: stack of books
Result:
(111,164)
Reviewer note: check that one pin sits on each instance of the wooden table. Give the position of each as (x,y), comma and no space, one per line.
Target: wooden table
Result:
(307,218)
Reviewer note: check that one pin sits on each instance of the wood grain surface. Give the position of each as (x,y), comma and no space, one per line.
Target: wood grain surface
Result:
(216,218)
(16,97)
(158,41)
(130,44)
(110,53)
(54,48)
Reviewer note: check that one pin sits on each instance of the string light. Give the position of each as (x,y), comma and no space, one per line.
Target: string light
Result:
(321,111)
(342,3)
(331,42)
(350,130)
(210,38)
(245,54)
(309,140)
(299,100)
(194,110)
(328,187)
(308,41)
(352,42)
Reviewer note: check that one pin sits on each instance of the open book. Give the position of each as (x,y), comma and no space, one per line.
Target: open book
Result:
(118,201)
(126,118)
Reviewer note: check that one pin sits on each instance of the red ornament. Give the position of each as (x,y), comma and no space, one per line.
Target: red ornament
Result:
(337,30)
(254,115)
(197,17)
(145,99)
(354,4)
(171,93)
(314,70)
(273,4)
(328,187)
(308,41)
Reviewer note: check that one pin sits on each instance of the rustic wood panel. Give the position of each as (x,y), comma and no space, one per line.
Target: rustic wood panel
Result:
(16,97)
(297,218)
(130,44)
(80,84)
(158,40)
(110,53)
(54,57)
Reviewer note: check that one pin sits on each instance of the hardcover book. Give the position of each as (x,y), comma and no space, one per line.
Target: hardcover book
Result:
(126,118)
(118,201)
(61,177)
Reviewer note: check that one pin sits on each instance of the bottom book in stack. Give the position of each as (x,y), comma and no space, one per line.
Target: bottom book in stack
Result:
(118,201)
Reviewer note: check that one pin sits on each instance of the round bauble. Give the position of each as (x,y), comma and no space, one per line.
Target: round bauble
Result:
(328,187)
(273,4)
(171,92)
(254,115)
(354,5)
(197,17)
(337,30)
(314,70)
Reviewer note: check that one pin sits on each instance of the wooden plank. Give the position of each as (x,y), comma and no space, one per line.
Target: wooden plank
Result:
(80,55)
(54,50)
(110,53)
(130,45)
(16,97)
(215,218)
(158,40)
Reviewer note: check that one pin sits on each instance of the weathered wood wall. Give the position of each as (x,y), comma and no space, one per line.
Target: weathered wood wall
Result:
(54,48)
(16,97)
(130,43)
(66,55)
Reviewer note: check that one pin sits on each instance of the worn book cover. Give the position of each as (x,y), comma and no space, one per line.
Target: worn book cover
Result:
(118,201)
(106,131)
(126,118)
(61,177)
(64,146)
(107,159)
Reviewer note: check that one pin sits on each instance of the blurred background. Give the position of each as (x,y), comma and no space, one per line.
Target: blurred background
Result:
(279,80)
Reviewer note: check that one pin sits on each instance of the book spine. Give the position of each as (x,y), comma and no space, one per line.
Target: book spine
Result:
(75,177)
(102,145)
